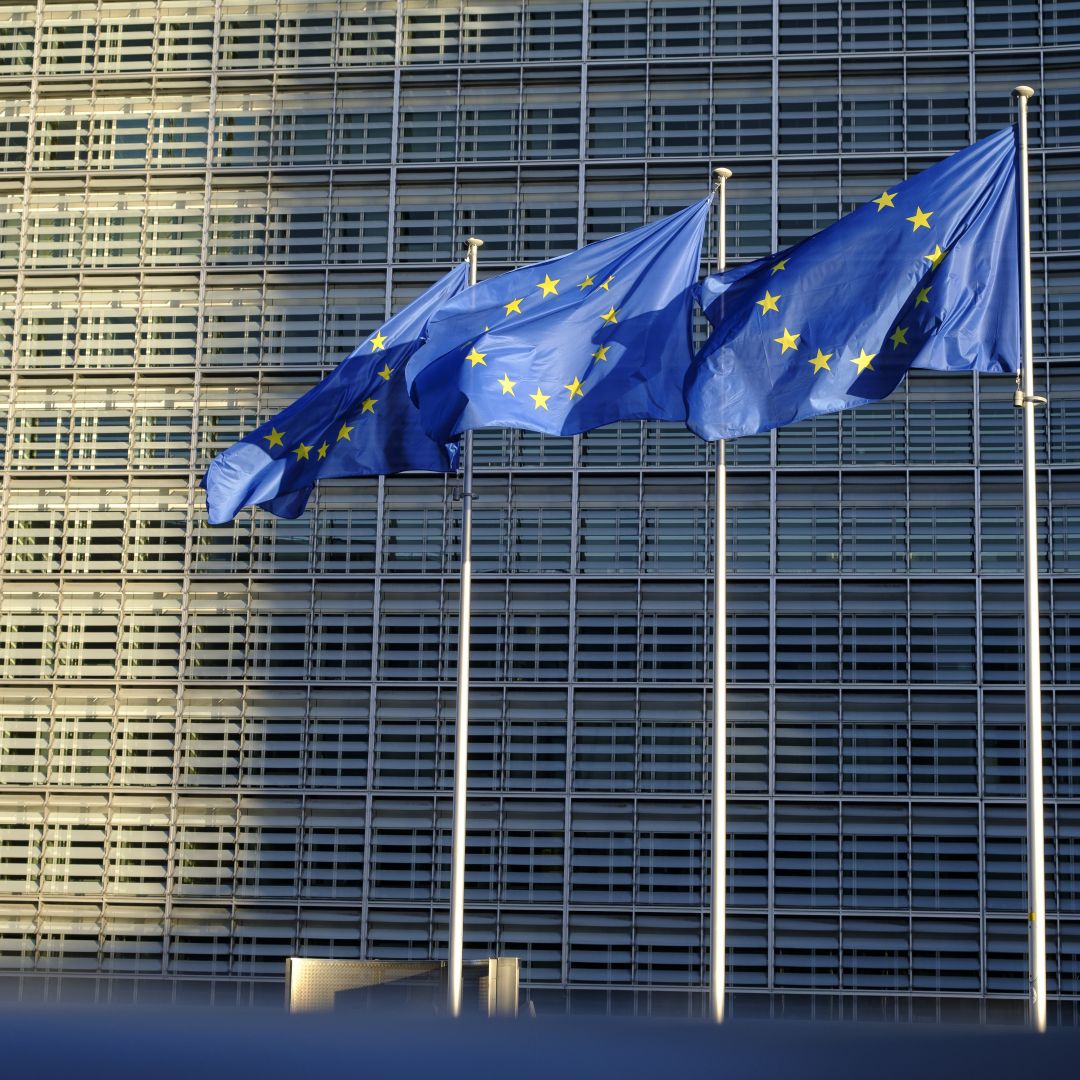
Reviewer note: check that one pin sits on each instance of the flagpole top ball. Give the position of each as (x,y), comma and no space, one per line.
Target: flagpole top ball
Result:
(1024,91)
(722,174)
(474,242)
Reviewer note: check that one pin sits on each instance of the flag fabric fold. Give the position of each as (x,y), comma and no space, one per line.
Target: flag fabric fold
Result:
(359,421)
(570,344)
(927,275)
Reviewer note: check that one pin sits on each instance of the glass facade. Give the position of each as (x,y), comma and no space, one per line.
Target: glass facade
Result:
(223,746)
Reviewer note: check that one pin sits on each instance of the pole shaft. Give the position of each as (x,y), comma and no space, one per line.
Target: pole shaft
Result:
(1035,839)
(718,943)
(461,733)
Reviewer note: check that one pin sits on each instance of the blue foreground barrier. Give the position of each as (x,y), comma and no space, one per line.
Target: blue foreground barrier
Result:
(137,1044)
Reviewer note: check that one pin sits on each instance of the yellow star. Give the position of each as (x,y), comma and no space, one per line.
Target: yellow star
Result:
(548,286)
(781,265)
(386,372)
(344,433)
(507,385)
(769,303)
(601,352)
(274,438)
(574,388)
(378,342)
(322,450)
(514,305)
(605,284)
(587,282)
(821,361)
(924,296)
(936,256)
(302,452)
(609,316)
(899,337)
(862,361)
(540,399)
(787,341)
(475,358)
(921,220)
(885,200)
(368,405)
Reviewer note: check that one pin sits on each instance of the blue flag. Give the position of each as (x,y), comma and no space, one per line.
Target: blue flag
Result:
(927,275)
(563,346)
(358,421)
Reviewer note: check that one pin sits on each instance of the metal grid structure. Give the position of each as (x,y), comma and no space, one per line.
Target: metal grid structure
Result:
(222,747)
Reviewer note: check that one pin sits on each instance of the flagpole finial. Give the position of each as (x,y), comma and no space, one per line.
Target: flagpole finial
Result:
(1023,91)
(721,175)
(474,242)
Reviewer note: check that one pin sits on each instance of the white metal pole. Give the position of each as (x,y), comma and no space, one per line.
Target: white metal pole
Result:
(718,945)
(1026,399)
(461,732)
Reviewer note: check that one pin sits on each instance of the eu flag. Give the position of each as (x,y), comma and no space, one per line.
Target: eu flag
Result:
(926,275)
(562,346)
(358,421)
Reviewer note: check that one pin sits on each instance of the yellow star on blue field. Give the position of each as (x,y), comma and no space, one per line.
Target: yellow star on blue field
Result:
(820,361)
(303,452)
(862,361)
(475,358)
(344,433)
(540,399)
(601,352)
(936,256)
(574,388)
(885,199)
(386,372)
(920,218)
(507,385)
(548,286)
(514,305)
(609,316)
(781,265)
(274,438)
(368,405)
(587,282)
(322,449)
(787,340)
(924,295)
(378,342)
(768,302)
(604,284)
(899,337)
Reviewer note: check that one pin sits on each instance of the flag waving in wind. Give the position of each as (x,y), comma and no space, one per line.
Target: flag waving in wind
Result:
(563,346)
(358,421)
(926,275)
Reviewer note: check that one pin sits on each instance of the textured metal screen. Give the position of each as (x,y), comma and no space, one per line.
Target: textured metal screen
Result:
(223,747)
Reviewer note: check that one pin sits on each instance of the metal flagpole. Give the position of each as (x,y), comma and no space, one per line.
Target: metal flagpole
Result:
(461,733)
(1025,398)
(718,946)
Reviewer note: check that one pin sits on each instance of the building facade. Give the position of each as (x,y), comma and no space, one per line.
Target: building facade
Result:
(223,746)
